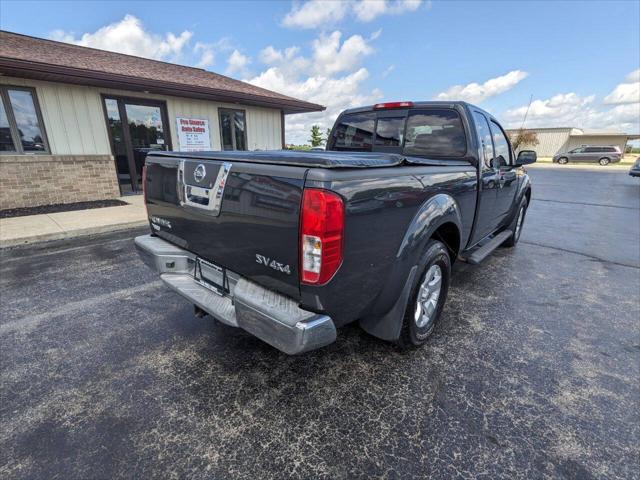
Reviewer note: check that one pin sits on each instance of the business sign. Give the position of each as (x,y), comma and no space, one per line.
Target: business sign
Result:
(193,134)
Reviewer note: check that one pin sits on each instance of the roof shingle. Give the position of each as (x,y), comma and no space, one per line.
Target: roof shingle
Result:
(18,51)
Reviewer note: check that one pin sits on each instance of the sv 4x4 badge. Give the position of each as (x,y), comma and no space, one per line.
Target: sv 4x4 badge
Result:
(262,260)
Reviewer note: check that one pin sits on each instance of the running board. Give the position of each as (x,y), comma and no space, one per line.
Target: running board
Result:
(483,252)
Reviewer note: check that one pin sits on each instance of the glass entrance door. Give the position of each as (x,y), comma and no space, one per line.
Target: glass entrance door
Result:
(146,131)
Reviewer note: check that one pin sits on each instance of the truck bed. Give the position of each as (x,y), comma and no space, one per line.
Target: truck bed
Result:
(313,159)
(244,214)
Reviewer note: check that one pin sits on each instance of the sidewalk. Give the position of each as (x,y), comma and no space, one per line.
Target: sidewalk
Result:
(56,226)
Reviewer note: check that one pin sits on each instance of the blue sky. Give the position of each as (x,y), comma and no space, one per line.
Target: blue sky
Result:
(579,60)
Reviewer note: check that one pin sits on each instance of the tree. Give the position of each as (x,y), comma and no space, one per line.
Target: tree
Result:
(524,137)
(328,134)
(316,136)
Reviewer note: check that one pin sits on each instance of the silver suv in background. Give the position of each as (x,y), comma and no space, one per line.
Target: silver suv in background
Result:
(604,155)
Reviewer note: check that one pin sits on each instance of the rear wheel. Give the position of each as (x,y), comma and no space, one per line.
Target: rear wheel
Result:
(428,297)
(563,160)
(604,161)
(516,224)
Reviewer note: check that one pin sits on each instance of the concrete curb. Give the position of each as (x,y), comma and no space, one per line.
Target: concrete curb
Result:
(47,237)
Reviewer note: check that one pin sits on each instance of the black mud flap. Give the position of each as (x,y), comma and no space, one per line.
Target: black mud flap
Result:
(388,326)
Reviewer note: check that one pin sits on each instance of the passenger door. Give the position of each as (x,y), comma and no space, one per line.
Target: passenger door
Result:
(578,155)
(593,154)
(507,178)
(486,220)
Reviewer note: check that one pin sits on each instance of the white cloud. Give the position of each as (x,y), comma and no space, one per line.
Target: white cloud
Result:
(317,13)
(476,93)
(237,64)
(331,57)
(627,92)
(375,35)
(367,10)
(574,110)
(624,93)
(130,37)
(558,111)
(331,75)
(207,53)
(387,71)
(314,13)
(619,110)
(633,76)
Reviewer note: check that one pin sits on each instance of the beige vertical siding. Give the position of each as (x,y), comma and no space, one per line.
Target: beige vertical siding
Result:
(550,141)
(72,115)
(263,129)
(263,124)
(74,120)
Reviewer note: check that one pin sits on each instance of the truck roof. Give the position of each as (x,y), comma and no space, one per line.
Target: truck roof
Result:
(312,159)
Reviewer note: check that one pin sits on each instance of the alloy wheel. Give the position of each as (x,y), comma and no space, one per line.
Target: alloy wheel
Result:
(428,295)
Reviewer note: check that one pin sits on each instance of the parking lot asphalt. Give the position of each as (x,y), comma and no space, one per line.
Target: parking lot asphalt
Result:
(533,372)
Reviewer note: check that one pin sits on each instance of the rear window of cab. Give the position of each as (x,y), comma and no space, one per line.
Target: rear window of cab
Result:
(430,132)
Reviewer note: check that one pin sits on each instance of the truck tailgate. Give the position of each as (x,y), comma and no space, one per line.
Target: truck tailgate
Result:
(238,215)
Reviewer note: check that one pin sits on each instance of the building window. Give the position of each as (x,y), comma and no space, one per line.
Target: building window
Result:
(21,127)
(233,129)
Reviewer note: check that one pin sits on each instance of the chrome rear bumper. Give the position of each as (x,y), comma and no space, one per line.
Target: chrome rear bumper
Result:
(270,316)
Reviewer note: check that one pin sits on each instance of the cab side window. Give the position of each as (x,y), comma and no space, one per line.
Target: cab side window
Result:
(484,135)
(502,155)
(435,132)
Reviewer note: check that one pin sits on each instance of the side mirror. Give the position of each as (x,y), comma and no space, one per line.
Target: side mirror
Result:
(526,157)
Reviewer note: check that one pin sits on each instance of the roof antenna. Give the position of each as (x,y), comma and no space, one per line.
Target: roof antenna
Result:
(527,112)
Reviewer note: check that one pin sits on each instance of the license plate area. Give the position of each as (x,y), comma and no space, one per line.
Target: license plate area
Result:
(211,276)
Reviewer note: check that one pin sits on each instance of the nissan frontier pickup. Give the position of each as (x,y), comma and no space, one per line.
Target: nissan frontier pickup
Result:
(292,245)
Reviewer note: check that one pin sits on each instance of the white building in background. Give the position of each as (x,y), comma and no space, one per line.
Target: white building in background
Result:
(562,139)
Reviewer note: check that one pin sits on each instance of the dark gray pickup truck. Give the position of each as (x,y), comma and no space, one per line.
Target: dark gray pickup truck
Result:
(289,246)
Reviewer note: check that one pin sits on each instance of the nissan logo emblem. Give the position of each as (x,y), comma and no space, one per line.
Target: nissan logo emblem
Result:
(199,173)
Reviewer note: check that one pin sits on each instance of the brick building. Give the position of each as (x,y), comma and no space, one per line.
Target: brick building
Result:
(76,123)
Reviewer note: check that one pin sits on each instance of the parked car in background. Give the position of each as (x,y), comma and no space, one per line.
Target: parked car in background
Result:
(635,169)
(604,155)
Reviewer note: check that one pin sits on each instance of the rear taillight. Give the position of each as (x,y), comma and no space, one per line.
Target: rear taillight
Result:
(321,235)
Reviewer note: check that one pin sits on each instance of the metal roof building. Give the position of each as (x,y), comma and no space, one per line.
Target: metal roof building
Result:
(562,139)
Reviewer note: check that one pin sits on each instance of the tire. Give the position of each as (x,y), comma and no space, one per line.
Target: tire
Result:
(517,223)
(604,161)
(416,327)
(563,160)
